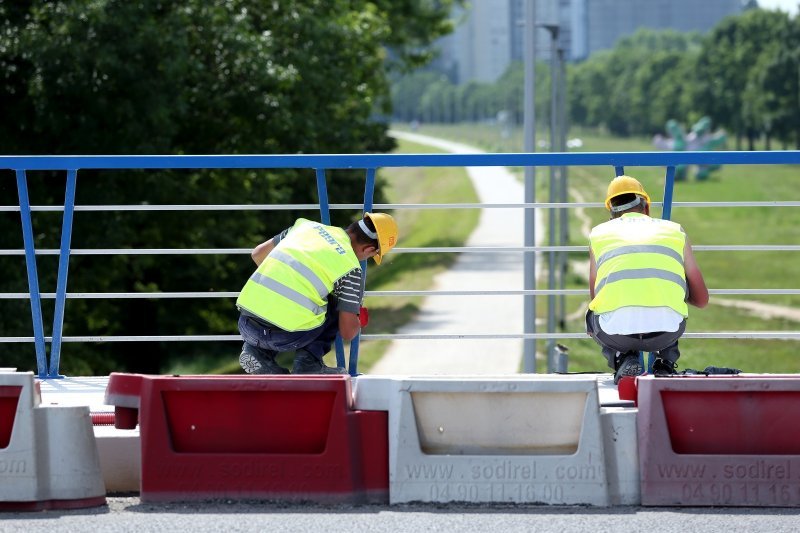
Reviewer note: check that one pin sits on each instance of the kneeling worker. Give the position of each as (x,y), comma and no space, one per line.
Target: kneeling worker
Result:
(308,287)
(642,273)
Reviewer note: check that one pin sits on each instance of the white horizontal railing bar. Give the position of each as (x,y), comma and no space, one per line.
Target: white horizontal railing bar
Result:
(584,248)
(315,207)
(776,335)
(235,294)
(439,249)
(138,251)
(568,292)
(121,295)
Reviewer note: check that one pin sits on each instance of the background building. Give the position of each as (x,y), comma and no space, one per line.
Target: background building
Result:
(608,20)
(490,34)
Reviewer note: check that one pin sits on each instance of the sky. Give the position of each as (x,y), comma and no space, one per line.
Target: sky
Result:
(784,5)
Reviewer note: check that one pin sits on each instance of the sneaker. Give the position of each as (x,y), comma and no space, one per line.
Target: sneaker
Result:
(256,361)
(630,366)
(305,363)
(662,368)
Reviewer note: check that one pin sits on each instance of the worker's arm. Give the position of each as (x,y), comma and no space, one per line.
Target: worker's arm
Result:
(695,284)
(261,251)
(592,273)
(349,325)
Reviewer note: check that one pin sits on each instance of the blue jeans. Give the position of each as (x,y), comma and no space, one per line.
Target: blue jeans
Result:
(271,338)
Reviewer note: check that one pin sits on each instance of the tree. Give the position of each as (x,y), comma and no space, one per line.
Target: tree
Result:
(185,77)
(724,63)
(772,94)
(613,88)
(407,93)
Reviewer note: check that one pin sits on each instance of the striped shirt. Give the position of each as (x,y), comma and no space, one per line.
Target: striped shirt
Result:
(346,291)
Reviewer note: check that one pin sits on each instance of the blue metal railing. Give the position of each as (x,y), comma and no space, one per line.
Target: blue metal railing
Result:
(320,163)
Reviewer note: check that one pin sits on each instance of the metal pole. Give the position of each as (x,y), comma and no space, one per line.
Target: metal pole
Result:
(564,223)
(63,270)
(551,213)
(529,133)
(33,276)
(369,194)
(325,218)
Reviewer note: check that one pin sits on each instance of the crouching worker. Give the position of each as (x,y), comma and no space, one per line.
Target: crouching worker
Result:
(642,273)
(308,287)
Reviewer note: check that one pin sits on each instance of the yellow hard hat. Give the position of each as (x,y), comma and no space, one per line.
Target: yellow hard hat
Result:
(386,228)
(624,185)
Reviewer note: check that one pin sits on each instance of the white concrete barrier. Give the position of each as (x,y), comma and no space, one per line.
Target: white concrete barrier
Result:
(48,455)
(622,455)
(374,393)
(509,438)
(120,453)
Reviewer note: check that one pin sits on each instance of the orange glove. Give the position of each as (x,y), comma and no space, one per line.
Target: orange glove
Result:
(363,317)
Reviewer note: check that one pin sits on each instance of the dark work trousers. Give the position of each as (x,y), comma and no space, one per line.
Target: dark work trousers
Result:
(665,343)
(271,338)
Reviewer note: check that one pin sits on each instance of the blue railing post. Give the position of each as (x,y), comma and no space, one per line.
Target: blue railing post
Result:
(325,218)
(369,192)
(33,276)
(619,171)
(669,185)
(63,271)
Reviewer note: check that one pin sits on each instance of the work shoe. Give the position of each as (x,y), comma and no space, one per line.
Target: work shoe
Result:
(256,361)
(629,366)
(663,368)
(305,363)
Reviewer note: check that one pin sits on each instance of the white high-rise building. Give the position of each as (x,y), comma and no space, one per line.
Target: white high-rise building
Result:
(608,20)
(490,33)
(489,36)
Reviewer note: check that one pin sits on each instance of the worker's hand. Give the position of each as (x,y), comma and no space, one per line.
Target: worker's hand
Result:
(363,317)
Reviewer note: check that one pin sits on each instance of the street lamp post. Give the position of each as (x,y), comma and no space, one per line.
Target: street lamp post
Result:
(529,133)
(554,196)
(564,219)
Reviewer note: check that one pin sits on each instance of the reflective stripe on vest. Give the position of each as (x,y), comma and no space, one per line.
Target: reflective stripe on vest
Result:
(641,273)
(640,249)
(303,270)
(286,292)
(290,288)
(639,262)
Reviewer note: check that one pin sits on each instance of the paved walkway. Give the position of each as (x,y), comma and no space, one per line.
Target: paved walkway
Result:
(471,271)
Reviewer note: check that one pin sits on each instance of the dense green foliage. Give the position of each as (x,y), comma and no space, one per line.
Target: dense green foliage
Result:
(745,75)
(184,77)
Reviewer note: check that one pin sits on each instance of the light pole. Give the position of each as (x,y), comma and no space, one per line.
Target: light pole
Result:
(529,134)
(564,219)
(554,197)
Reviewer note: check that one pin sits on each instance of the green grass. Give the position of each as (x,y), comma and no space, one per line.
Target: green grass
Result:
(705,226)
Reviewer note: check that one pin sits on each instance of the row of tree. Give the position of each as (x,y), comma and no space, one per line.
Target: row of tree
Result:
(184,77)
(744,74)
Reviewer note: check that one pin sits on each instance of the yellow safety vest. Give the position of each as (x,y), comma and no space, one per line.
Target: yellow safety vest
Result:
(639,263)
(291,286)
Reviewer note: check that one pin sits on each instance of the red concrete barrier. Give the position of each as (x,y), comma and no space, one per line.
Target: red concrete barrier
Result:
(9,398)
(720,440)
(263,437)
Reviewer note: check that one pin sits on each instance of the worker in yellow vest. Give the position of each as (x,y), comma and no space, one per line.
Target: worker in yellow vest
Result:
(642,274)
(307,288)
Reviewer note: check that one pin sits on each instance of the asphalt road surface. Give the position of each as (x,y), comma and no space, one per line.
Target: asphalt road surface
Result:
(129,514)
